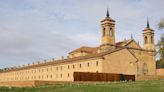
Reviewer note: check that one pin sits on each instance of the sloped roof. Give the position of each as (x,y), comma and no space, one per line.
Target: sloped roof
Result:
(85,49)
(68,60)
(127,42)
(148,29)
(96,55)
(119,46)
(94,49)
(124,43)
(108,19)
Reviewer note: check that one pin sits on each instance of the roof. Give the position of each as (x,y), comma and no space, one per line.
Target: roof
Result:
(119,46)
(96,55)
(85,49)
(76,59)
(94,49)
(148,26)
(108,19)
(124,43)
(148,29)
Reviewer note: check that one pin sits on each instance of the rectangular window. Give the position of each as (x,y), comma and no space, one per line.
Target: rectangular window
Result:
(80,65)
(68,74)
(88,64)
(61,67)
(73,66)
(68,66)
(97,63)
(56,75)
(61,75)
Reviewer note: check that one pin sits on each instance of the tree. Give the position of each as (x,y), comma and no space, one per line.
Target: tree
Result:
(160,46)
(161,24)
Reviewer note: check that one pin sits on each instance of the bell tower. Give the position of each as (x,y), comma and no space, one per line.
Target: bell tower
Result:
(148,37)
(108,32)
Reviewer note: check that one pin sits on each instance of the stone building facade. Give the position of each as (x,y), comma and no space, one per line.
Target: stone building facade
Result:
(125,57)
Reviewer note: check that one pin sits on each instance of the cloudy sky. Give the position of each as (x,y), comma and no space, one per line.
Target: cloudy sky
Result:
(34,30)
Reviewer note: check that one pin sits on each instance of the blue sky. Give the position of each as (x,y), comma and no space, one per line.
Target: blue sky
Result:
(34,30)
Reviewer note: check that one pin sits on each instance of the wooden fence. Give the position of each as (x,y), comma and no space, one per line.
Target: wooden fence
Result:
(88,76)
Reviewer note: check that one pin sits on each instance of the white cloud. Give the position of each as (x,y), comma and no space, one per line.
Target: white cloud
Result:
(32,30)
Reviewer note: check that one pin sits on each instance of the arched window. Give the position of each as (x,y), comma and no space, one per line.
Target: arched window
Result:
(145,39)
(103,31)
(152,39)
(145,69)
(110,32)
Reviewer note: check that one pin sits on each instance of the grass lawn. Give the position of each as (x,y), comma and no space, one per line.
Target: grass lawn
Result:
(138,86)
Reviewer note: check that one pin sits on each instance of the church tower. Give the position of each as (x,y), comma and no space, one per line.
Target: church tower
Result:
(148,37)
(108,32)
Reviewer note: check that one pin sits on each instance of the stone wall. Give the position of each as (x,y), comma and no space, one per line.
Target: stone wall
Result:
(18,83)
(149,77)
(117,62)
(160,71)
(56,72)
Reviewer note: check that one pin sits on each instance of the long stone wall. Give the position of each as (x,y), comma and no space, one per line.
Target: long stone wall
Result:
(33,83)
(18,83)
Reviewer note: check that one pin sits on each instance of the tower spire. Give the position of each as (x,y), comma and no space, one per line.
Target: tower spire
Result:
(131,36)
(107,14)
(148,26)
(138,43)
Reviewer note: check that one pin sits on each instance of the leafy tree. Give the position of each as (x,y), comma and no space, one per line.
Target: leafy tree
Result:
(160,46)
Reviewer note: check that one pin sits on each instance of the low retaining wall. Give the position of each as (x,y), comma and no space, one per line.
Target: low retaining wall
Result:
(150,77)
(87,76)
(18,83)
(28,83)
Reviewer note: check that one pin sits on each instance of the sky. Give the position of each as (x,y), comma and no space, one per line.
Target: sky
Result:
(38,30)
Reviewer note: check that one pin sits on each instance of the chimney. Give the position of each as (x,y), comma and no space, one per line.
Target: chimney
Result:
(53,59)
(62,57)
(45,61)
(38,62)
